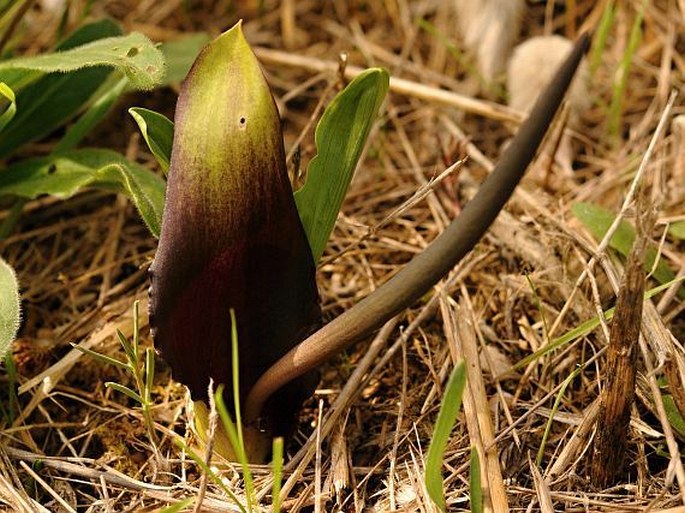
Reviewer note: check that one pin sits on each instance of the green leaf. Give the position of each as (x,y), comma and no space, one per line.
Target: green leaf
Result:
(340,138)
(158,132)
(124,390)
(673,414)
(134,55)
(584,329)
(96,113)
(475,486)
(598,220)
(11,109)
(206,469)
(102,358)
(677,230)
(555,408)
(10,307)
(449,408)
(53,99)
(180,54)
(179,506)
(277,472)
(63,175)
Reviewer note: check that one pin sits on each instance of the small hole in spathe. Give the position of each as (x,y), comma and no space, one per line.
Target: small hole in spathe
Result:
(132,52)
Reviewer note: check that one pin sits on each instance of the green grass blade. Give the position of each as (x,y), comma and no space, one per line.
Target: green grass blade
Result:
(584,328)
(135,340)
(555,408)
(235,431)
(107,360)
(92,117)
(601,34)
(66,174)
(277,468)
(179,506)
(475,486)
(158,132)
(212,475)
(125,390)
(130,351)
(340,138)
(598,220)
(134,55)
(622,75)
(451,403)
(10,307)
(228,423)
(11,109)
(149,373)
(235,361)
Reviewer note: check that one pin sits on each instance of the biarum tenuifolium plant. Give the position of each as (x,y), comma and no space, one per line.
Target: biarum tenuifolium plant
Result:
(233,237)
(231,233)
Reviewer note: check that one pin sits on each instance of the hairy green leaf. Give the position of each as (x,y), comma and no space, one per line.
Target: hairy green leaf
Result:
(63,175)
(340,138)
(10,311)
(51,100)
(134,55)
(158,132)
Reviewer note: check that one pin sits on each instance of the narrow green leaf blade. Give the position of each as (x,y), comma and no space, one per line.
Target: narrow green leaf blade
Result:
(451,403)
(475,487)
(124,390)
(584,329)
(11,109)
(65,174)
(277,470)
(134,55)
(158,132)
(102,358)
(179,506)
(340,138)
(216,479)
(96,113)
(9,307)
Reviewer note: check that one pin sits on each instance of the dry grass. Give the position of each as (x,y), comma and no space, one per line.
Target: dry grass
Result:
(362,439)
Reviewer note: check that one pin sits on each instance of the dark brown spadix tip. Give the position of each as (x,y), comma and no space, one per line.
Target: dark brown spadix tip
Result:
(231,236)
(414,280)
